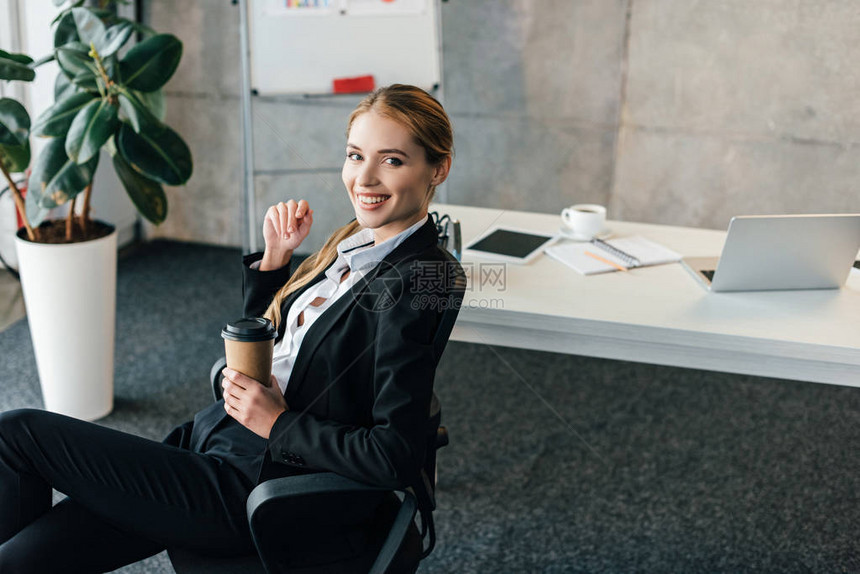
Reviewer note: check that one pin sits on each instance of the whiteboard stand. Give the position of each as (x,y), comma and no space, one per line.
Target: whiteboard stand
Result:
(249,198)
(300,51)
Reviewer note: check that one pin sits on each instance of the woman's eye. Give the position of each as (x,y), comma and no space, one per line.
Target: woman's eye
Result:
(353,156)
(393,161)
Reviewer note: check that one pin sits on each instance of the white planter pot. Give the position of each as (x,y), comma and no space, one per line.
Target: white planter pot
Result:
(70,296)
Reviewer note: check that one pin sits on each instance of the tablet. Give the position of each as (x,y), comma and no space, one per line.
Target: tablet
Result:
(510,245)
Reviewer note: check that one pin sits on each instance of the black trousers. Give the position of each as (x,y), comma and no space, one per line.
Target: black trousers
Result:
(127,497)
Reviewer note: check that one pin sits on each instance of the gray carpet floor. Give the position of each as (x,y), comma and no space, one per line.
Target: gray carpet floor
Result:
(557,463)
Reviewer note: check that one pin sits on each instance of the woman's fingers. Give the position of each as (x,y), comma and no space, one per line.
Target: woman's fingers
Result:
(233,389)
(241,380)
(307,220)
(231,401)
(304,223)
(279,216)
(273,217)
(294,218)
(284,220)
(301,208)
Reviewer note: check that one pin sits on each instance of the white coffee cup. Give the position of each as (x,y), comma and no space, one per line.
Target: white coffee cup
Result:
(584,220)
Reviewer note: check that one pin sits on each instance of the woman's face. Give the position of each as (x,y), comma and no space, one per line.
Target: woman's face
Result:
(387,175)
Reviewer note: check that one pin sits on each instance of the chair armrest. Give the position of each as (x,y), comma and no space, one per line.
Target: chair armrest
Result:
(303,485)
(215,376)
(303,489)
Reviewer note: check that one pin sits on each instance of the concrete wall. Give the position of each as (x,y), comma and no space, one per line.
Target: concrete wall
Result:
(682,112)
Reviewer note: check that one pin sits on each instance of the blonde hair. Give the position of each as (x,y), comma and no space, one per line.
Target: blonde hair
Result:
(426,120)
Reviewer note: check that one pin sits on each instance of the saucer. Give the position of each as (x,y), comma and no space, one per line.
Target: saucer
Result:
(568,234)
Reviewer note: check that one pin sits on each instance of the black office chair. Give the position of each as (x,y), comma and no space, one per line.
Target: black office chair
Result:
(392,543)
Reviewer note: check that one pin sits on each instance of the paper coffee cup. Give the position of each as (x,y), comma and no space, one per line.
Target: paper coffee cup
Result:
(249,343)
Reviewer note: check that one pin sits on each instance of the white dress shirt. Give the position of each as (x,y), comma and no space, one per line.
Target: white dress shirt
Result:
(357,254)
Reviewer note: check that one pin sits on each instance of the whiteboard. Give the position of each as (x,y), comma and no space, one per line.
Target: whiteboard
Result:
(301,46)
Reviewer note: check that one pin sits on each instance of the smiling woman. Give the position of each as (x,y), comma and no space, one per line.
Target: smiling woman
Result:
(349,396)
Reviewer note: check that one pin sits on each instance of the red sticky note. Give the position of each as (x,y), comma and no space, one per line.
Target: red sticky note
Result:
(353,85)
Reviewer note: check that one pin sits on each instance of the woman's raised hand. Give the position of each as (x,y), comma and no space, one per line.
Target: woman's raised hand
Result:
(285,227)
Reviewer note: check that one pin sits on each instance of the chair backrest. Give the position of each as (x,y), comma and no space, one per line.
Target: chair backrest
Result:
(455,281)
(437,435)
(448,230)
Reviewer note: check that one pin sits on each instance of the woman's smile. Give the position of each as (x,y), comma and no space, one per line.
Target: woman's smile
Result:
(371,201)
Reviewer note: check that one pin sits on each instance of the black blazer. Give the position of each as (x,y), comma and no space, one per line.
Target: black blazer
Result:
(359,391)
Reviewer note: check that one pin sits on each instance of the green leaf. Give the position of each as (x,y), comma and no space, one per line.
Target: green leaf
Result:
(137,114)
(149,64)
(142,29)
(113,39)
(147,195)
(102,14)
(20,58)
(75,62)
(14,67)
(88,82)
(90,28)
(14,123)
(90,129)
(111,65)
(15,158)
(56,120)
(63,86)
(36,214)
(62,13)
(159,155)
(154,101)
(55,180)
(67,30)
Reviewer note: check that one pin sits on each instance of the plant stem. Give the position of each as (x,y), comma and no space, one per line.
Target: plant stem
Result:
(19,203)
(84,219)
(70,220)
(100,66)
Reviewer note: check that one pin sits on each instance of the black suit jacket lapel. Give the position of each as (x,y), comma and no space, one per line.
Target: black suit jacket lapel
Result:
(424,237)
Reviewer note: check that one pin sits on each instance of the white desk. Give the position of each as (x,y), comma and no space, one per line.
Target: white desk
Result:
(658,314)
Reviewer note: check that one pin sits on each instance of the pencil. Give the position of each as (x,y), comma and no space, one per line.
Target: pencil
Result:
(607,261)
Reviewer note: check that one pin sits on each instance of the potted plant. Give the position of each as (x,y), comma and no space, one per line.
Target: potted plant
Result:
(105,98)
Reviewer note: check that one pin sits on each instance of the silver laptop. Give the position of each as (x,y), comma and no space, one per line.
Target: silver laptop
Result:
(777,252)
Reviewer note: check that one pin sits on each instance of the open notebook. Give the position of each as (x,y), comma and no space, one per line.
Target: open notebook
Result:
(612,254)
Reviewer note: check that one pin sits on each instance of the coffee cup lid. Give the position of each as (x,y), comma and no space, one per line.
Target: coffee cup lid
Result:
(249,329)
